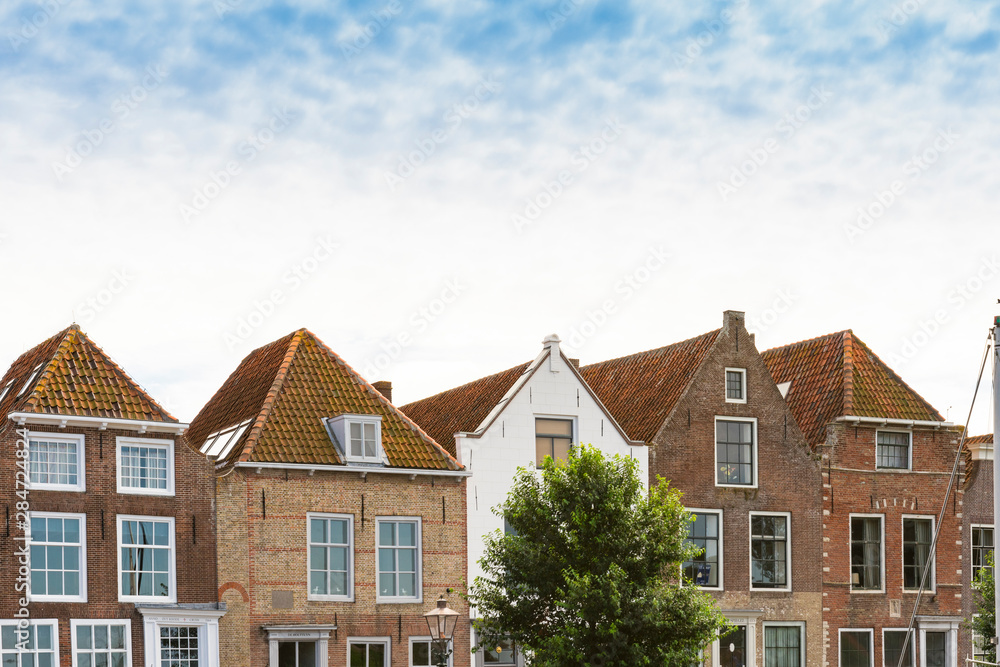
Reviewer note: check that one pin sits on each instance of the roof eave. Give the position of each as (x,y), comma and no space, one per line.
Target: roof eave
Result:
(101,423)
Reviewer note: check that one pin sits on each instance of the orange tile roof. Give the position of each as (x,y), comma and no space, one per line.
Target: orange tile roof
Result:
(288,388)
(972,464)
(836,375)
(641,390)
(986,439)
(70,375)
(463,408)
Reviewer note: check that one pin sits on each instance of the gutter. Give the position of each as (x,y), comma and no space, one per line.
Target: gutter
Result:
(101,423)
(364,471)
(886,421)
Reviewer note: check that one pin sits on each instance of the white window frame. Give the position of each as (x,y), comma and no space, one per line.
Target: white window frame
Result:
(574,431)
(53,622)
(946,624)
(882,573)
(932,588)
(145,442)
(750,621)
(801,625)
(719,513)
(715,454)
(871,643)
(419,585)
(387,641)
(74,623)
(480,661)
(206,620)
(82,597)
(172,560)
(788,550)
(341,427)
(350,557)
(975,637)
(911,646)
(81,461)
(909,452)
(972,574)
(414,640)
(743,383)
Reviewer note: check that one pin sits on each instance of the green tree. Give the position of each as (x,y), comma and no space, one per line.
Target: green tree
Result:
(590,573)
(985,623)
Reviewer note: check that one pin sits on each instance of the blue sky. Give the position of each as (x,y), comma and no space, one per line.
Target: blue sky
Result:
(469,177)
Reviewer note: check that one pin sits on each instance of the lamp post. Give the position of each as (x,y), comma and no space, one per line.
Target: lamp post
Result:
(441,623)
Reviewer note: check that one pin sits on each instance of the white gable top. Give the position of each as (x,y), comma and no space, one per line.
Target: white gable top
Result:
(783,388)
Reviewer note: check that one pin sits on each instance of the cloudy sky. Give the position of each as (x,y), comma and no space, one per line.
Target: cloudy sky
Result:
(432,187)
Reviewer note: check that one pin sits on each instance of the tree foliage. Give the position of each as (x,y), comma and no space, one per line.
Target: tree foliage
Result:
(590,573)
(985,623)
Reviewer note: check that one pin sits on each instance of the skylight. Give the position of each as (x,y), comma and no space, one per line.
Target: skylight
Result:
(31,380)
(219,444)
(5,390)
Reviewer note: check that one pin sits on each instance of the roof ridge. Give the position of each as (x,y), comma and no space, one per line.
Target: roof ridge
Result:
(899,379)
(272,396)
(831,335)
(848,370)
(32,399)
(656,349)
(379,396)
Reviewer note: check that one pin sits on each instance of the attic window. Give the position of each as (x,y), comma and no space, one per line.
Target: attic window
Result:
(219,444)
(736,385)
(359,437)
(31,380)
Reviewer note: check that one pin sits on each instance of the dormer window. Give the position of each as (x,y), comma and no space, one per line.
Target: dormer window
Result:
(736,385)
(359,437)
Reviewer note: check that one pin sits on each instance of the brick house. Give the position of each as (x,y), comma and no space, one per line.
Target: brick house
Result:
(117,519)
(718,430)
(887,456)
(515,419)
(977,528)
(341,522)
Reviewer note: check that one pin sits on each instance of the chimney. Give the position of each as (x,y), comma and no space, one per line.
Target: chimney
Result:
(551,343)
(576,363)
(731,318)
(384,387)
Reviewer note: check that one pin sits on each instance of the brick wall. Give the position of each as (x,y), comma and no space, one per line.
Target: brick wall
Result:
(788,481)
(977,509)
(262,522)
(191,506)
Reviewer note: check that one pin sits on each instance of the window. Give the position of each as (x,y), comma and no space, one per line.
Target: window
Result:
(399,560)
(706,534)
(735,452)
(784,645)
(501,655)
(3,392)
(180,646)
(37,645)
(297,654)
(360,436)
(368,652)
(146,559)
(55,462)
(866,553)
(856,648)
(733,647)
(101,643)
(58,557)
(770,550)
(979,645)
(935,649)
(331,557)
(427,653)
(736,385)
(982,545)
(553,437)
(892,647)
(917,536)
(892,450)
(146,466)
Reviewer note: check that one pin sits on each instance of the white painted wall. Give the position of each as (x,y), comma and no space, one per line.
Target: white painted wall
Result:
(509,443)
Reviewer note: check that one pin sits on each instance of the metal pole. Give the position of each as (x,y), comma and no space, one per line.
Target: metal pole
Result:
(996,462)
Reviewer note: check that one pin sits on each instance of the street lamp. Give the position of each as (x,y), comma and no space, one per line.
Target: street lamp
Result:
(441,623)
